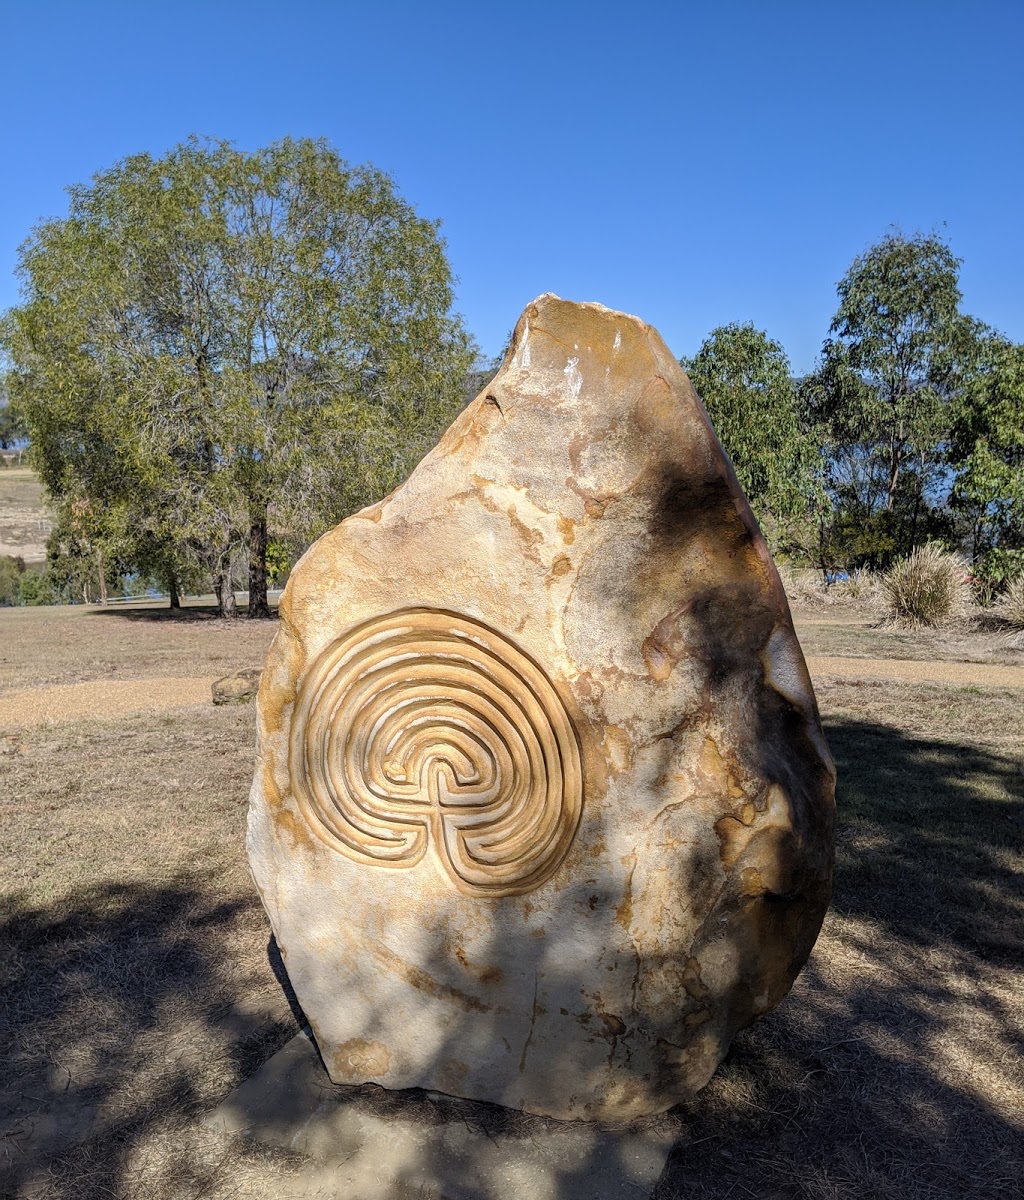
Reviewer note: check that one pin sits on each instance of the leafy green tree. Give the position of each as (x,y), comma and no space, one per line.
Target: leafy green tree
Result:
(36,588)
(11,571)
(12,431)
(987,451)
(278,562)
(896,359)
(743,378)
(216,342)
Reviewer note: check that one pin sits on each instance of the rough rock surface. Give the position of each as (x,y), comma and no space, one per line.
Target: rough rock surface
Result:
(543,813)
(239,688)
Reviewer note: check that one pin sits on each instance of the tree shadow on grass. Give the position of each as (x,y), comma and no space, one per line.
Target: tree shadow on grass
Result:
(116,1014)
(191,611)
(892,1070)
(193,614)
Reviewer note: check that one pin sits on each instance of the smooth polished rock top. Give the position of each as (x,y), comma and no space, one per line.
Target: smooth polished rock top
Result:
(543,812)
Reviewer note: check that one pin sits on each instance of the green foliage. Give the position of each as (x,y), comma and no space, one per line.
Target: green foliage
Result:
(35,588)
(11,571)
(12,430)
(888,367)
(213,340)
(992,571)
(987,449)
(849,539)
(279,561)
(881,403)
(743,378)
(925,588)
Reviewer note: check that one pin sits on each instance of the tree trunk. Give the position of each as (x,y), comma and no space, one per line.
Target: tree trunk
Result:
(258,606)
(225,595)
(101,572)
(894,476)
(172,590)
(913,523)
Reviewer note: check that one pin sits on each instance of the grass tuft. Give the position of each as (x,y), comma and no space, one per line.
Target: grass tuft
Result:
(862,585)
(1011,608)
(802,585)
(926,588)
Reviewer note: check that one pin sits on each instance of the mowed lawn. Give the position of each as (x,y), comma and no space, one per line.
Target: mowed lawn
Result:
(139,984)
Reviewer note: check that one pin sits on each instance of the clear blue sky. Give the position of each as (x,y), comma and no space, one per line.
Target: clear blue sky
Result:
(691,163)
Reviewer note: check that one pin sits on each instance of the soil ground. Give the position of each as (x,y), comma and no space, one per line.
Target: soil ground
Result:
(139,985)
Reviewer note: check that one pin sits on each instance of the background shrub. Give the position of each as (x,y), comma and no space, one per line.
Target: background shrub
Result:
(862,586)
(35,588)
(11,571)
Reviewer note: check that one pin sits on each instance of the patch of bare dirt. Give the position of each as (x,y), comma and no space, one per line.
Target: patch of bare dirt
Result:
(960,674)
(101,699)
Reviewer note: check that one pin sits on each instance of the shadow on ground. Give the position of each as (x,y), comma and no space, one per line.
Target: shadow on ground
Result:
(191,613)
(892,1070)
(119,1023)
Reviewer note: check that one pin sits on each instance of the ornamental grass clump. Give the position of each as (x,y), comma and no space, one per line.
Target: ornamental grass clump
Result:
(927,587)
(802,586)
(1011,608)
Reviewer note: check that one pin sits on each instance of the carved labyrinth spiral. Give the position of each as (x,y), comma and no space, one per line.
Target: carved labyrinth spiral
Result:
(426,729)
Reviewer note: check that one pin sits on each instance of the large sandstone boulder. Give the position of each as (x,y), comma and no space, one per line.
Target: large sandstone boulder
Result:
(543,812)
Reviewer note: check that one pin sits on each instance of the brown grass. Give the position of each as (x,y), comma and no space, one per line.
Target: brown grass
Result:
(40,646)
(1011,610)
(855,632)
(24,517)
(137,988)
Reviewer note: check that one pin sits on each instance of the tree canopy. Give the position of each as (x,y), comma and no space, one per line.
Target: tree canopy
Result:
(987,452)
(220,354)
(12,431)
(216,343)
(898,354)
(911,428)
(743,377)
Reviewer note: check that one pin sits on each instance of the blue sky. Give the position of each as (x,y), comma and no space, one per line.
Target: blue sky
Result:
(692,163)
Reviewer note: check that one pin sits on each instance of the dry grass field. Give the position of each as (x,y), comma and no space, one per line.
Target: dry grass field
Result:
(24,518)
(138,984)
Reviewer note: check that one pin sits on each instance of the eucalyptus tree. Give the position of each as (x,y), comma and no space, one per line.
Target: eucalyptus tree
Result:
(12,431)
(233,339)
(896,359)
(743,377)
(987,452)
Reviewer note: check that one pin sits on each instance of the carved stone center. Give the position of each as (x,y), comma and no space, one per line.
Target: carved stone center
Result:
(426,728)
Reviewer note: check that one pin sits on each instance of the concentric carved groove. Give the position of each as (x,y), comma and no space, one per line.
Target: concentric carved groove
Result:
(426,729)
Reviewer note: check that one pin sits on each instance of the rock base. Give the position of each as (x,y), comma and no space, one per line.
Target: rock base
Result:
(375,1144)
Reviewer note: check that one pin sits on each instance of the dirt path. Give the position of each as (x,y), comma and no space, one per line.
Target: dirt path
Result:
(115,698)
(101,698)
(860,622)
(905,670)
